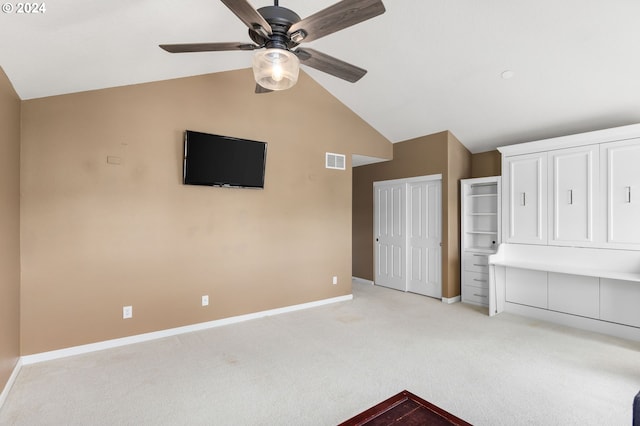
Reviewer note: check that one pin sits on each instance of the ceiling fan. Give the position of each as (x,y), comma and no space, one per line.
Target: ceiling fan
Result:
(280,30)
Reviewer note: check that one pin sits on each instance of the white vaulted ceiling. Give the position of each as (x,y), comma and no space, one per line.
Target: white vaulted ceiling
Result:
(433,65)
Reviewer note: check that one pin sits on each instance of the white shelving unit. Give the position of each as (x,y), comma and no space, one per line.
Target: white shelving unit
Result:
(480,219)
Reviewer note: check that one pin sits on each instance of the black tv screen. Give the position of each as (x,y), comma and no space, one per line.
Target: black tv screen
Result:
(216,160)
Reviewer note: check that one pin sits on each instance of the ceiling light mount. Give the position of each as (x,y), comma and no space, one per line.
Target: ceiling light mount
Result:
(507,74)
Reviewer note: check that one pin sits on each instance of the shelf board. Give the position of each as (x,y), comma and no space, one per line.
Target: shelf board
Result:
(483,232)
(483,214)
(480,250)
(481,195)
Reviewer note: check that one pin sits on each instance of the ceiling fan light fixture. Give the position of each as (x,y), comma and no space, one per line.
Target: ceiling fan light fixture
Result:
(275,69)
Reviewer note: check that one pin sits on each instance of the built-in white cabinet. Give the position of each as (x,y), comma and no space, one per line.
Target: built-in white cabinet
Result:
(525,201)
(574,294)
(573,194)
(592,298)
(572,231)
(527,287)
(480,234)
(621,192)
(580,196)
(475,278)
(619,301)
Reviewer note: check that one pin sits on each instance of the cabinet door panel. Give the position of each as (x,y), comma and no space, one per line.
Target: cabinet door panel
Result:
(573,174)
(574,294)
(527,199)
(622,175)
(527,287)
(619,301)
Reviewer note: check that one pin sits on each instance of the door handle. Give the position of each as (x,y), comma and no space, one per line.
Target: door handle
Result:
(570,196)
(377,240)
(523,199)
(627,191)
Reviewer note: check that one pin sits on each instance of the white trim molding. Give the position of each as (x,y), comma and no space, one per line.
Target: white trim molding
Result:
(408,180)
(588,138)
(450,300)
(10,382)
(107,344)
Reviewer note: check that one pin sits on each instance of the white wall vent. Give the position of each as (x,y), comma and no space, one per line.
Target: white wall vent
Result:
(335,161)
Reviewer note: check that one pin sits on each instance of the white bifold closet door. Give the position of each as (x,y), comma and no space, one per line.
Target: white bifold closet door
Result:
(408,234)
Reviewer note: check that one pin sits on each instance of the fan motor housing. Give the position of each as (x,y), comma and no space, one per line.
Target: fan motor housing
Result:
(280,19)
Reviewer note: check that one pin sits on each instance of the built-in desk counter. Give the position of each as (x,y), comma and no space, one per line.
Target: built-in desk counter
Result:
(590,288)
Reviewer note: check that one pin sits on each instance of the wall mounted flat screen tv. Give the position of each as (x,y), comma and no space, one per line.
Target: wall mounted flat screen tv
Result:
(216,160)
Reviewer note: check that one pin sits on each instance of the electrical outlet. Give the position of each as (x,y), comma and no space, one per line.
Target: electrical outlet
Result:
(335,280)
(205,300)
(127,312)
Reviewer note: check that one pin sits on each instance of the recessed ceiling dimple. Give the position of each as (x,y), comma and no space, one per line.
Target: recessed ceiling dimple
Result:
(507,74)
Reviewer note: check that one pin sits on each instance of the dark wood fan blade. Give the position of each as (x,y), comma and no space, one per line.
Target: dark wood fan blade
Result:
(337,17)
(330,65)
(207,47)
(260,89)
(249,15)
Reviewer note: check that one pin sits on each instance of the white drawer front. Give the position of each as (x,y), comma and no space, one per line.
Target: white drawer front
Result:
(477,295)
(476,262)
(476,279)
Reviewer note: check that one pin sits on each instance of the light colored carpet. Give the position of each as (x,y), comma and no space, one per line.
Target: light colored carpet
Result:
(324,365)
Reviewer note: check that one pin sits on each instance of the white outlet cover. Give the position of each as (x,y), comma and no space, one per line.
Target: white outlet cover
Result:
(127,312)
(205,300)
(335,280)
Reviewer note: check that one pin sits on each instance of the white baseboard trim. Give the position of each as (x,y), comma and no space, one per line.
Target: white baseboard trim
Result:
(107,344)
(450,300)
(589,324)
(362,280)
(10,382)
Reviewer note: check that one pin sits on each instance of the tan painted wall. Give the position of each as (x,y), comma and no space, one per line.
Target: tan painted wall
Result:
(459,160)
(485,164)
(427,155)
(9,229)
(97,236)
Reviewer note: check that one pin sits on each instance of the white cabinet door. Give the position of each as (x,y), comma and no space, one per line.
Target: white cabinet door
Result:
(619,301)
(621,173)
(574,294)
(527,287)
(525,183)
(573,192)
